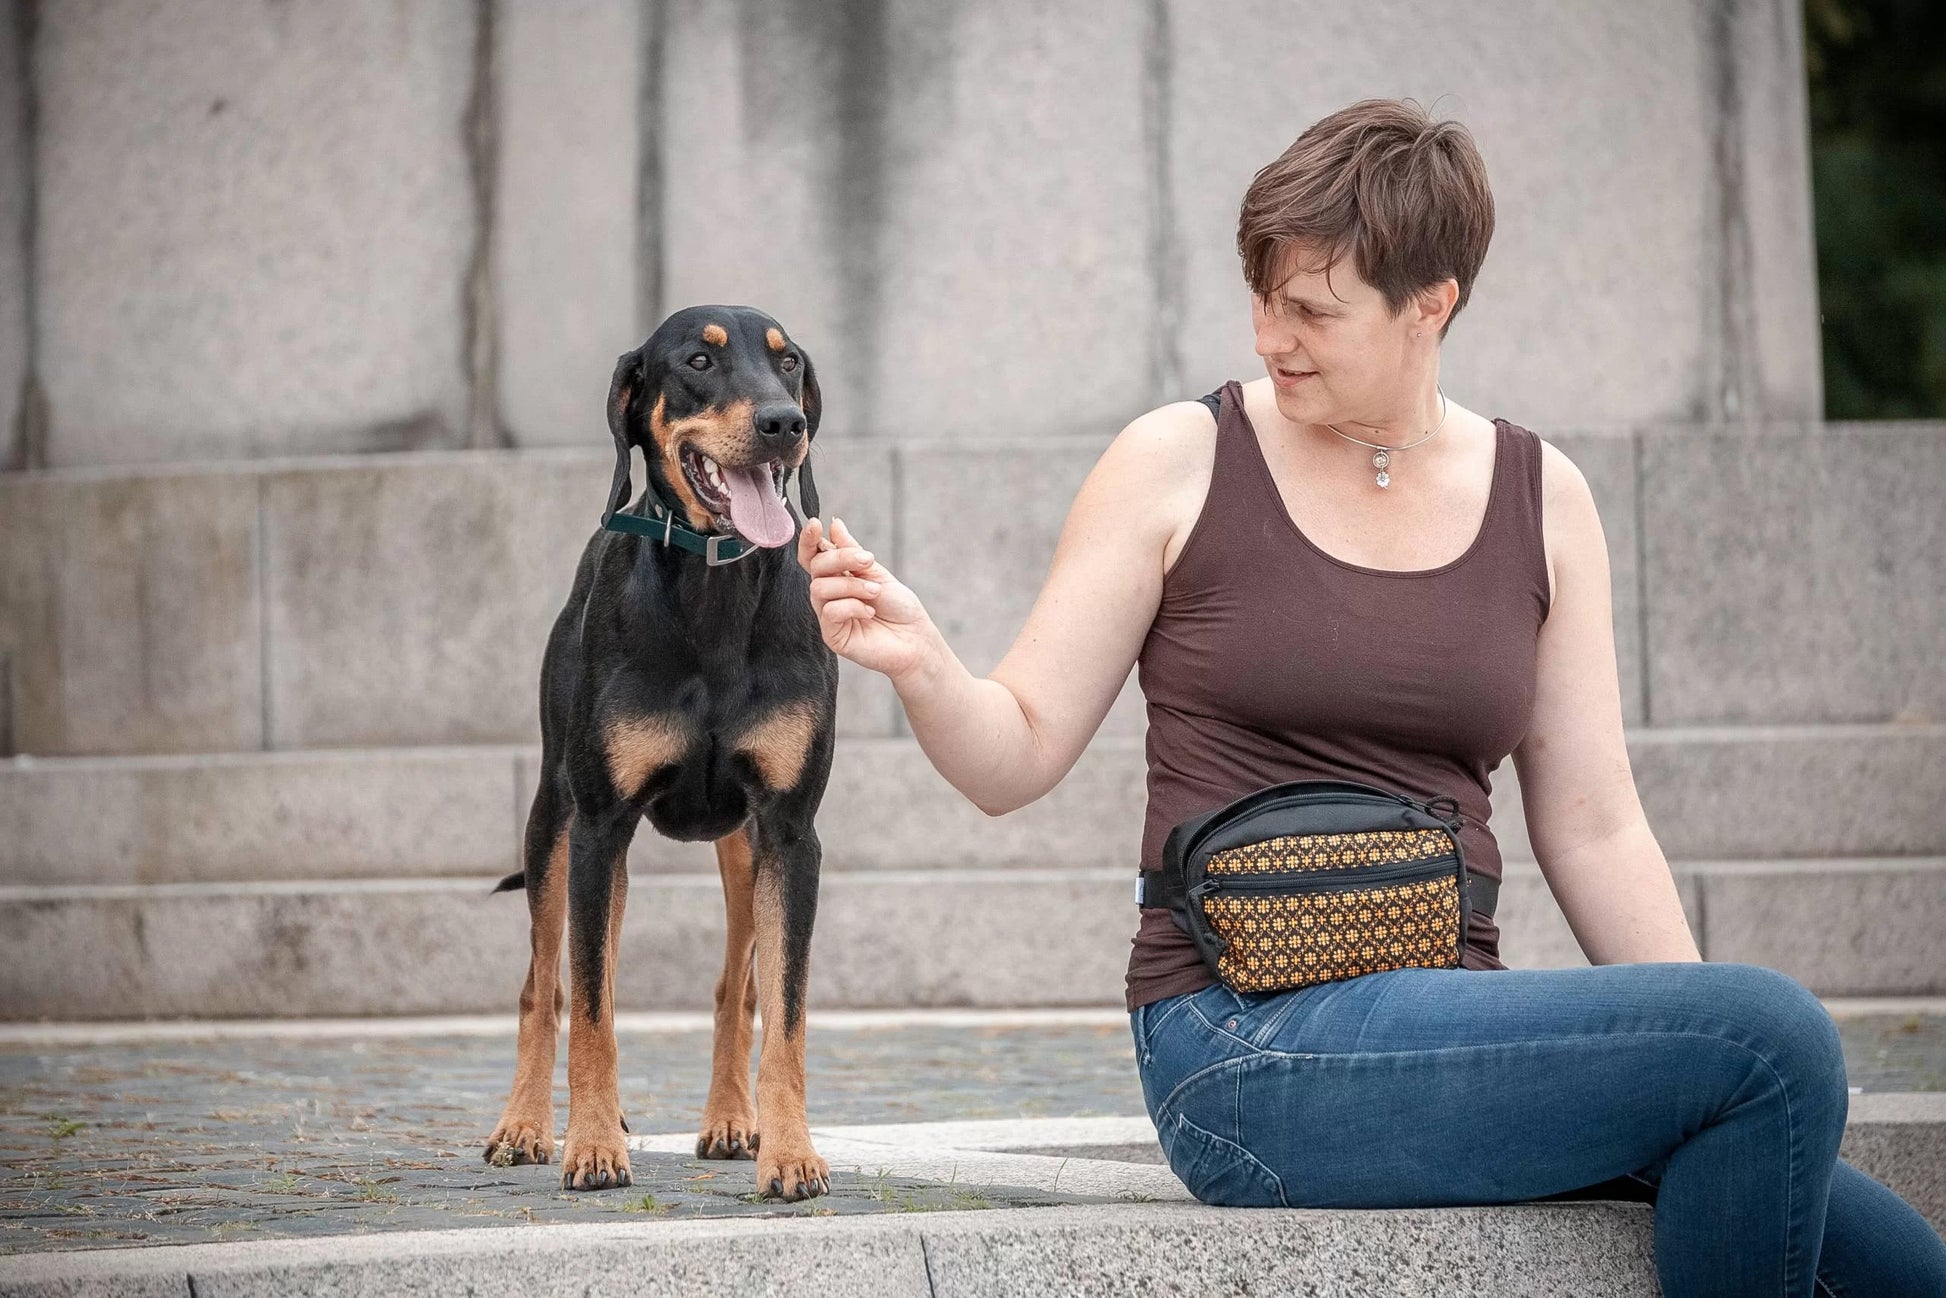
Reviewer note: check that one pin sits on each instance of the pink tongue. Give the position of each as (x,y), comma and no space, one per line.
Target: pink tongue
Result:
(756,509)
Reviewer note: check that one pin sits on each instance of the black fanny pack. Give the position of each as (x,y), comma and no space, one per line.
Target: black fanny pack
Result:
(1317,881)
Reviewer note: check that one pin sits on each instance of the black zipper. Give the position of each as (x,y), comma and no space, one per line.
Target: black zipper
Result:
(1351,878)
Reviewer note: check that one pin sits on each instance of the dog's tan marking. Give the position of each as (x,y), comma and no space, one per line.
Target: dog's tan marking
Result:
(729,1116)
(691,508)
(780,743)
(774,338)
(640,746)
(526,1130)
(595,1154)
(715,335)
(785,1152)
(724,435)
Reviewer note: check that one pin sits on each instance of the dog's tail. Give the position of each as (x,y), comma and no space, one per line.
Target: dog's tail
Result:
(512,883)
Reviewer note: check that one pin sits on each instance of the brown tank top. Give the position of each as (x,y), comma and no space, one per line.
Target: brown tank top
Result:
(1270,660)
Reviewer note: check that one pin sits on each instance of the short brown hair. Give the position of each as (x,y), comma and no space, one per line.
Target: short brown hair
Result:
(1406,195)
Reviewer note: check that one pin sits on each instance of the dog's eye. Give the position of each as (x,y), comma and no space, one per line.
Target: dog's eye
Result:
(700,361)
(790,364)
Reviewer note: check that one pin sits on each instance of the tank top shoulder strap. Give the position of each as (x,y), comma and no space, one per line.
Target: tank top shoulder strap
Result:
(1236,466)
(1514,520)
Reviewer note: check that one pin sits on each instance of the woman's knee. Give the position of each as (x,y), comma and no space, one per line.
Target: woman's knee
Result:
(1779,1020)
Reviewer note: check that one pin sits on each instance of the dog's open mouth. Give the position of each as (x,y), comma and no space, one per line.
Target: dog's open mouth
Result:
(751,496)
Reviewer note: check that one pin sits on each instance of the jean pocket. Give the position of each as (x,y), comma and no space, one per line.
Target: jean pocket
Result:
(1215,1170)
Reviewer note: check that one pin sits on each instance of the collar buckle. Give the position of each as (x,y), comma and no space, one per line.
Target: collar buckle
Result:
(713,545)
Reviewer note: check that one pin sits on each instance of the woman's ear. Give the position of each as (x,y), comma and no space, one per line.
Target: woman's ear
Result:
(621,395)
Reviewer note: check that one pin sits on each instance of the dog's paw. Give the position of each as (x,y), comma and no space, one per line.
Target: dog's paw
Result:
(521,1139)
(731,1135)
(595,1162)
(792,1170)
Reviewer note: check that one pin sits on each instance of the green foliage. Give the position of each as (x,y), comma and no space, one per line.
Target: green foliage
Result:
(1877,71)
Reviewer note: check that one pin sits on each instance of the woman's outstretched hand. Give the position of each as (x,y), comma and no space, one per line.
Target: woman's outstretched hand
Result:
(864,612)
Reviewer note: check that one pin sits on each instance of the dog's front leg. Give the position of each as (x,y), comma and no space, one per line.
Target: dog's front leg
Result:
(595,1155)
(729,1116)
(785,904)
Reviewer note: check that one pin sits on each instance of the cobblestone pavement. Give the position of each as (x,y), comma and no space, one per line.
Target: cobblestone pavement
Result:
(195,1141)
(188,1142)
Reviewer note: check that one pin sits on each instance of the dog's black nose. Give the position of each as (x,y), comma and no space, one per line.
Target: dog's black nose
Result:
(780,424)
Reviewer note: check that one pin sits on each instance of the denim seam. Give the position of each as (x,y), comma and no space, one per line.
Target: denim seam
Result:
(1245,1042)
(1277,1020)
(1168,1101)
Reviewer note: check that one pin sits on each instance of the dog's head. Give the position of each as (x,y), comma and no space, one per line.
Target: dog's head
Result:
(724,406)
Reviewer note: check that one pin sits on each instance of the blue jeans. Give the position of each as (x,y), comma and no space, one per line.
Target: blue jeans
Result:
(1721,1086)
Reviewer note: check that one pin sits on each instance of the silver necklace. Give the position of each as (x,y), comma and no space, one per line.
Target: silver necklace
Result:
(1382,455)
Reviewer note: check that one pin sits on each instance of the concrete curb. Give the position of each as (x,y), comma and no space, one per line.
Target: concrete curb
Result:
(1585,1249)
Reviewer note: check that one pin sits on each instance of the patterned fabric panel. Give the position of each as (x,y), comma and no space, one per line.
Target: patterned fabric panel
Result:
(1277,942)
(1330,851)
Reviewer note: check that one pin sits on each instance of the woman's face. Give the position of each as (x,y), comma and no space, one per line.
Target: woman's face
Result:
(1336,353)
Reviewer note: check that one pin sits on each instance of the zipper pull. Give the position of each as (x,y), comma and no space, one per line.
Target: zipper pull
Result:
(1441,806)
(1205,888)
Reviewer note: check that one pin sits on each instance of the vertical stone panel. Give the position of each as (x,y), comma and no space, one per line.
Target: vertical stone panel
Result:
(1596,122)
(567,86)
(1781,366)
(255,222)
(1019,292)
(947,204)
(14,191)
(753,201)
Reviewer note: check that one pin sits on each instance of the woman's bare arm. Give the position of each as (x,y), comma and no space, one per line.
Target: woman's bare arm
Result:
(1583,816)
(1005,739)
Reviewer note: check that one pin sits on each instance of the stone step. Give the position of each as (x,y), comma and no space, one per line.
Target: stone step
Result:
(941,937)
(1603,1250)
(405,599)
(1746,793)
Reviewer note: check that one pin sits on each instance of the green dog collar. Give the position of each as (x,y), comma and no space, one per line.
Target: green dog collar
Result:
(662,525)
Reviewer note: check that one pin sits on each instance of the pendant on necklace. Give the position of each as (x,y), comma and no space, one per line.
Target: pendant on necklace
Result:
(1380,461)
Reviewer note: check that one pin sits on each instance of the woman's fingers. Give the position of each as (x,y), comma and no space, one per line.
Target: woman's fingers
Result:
(810,539)
(830,588)
(844,559)
(840,611)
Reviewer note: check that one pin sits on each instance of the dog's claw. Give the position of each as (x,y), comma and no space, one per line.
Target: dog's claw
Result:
(776,1187)
(600,1163)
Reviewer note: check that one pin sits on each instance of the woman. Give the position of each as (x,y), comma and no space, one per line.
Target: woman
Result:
(1344,574)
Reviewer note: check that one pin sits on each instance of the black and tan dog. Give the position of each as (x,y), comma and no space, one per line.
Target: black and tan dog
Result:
(685,682)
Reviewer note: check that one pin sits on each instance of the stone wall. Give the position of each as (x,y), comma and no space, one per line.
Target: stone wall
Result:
(231,228)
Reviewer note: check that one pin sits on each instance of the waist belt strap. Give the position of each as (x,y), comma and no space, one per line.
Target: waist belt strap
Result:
(1154,889)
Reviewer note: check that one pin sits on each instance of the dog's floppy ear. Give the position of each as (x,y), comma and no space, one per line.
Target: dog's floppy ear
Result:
(621,394)
(812,403)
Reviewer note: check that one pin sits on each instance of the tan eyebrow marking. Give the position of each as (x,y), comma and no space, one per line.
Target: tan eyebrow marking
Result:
(715,335)
(775,338)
